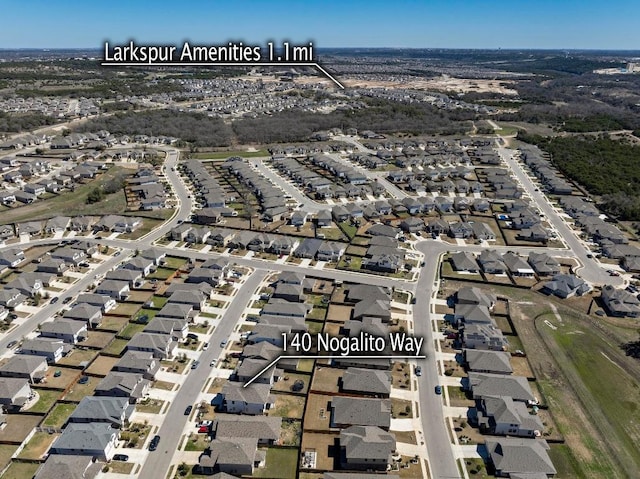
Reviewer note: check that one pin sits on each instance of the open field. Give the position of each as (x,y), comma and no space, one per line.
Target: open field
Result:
(73,203)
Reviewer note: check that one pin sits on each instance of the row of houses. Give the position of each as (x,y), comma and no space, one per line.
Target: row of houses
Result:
(272,201)
(502,400)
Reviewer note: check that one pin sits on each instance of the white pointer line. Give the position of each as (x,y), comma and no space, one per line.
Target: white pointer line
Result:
(225,64)
(272,363)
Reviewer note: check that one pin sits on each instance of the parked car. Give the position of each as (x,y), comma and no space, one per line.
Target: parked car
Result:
(12,344)
(438,389)
(153,445)
(223,343)
(188,410)
(195,364)
(54,300)
(205,346)
(66,300)
(212,363)
(120,457)
(418,371)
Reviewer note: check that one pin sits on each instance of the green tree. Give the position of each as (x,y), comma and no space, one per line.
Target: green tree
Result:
(95,195)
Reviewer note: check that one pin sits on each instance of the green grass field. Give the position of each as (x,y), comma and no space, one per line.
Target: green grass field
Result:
(281,463)
(59,414)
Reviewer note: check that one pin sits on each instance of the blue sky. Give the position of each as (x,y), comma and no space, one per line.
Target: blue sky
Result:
(563,24)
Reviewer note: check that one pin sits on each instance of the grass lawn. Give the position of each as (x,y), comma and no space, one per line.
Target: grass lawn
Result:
(131,329)
(120,467)
(161,273)
(73,203)
(288,406)
(38,445)
(348,229)
(147,225)
(197,442)
(6,451)
(305,365)
(102,365)
(116,347)
(78,357)
(165,385)
(20,470)
(113,323)
(401,408)
(317,313)
(173,262)
(159,301)
(46,399)
(608,391)
(59,414)
(280,463)
(78,391)
(126,309)
(153,406)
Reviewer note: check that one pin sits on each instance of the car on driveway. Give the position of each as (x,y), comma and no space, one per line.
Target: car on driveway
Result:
(120,457)
(438,389)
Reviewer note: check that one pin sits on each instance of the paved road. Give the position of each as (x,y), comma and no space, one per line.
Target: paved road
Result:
(591,270)
(49,310)
(441,459)
(159,461)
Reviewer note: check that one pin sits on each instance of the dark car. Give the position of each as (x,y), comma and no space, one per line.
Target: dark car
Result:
(66,300)
(153,445)
(120,457)
(418,371)
(195,364)
(54,300)
(188,410)
(83,380)
(12,344)
(438,389)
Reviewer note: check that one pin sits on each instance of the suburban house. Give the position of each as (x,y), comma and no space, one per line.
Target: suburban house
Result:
(95,439)
(69,467)
(255,399)
(52,349)
(118,290)
(126,385)
(115,411)
(68,330)
(503,416)
(14,393)
(368,382)
(366,448)
(139,363)
(105,303)
(482,361)
(238,456)
(619,302)
(91,315)
(32,368)
(517,457)
(162,346)
(566,285)
(357,411)
(482,385)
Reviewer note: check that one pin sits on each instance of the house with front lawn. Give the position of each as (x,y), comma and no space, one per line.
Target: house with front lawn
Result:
(502,416)
(95,439)
(162,346)
(68,330)
(366,448)
(518,457)
(126,385)
(51,349)
(115,411)
(138,362)
(91,315)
